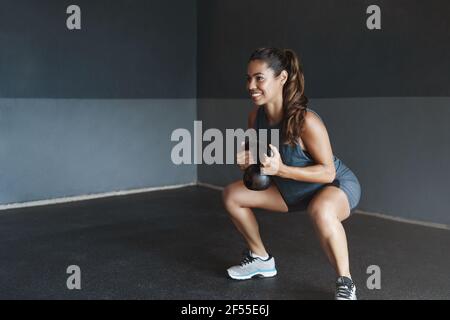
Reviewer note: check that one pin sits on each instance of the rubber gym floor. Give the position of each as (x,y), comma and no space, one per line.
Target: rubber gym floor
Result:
(177,244)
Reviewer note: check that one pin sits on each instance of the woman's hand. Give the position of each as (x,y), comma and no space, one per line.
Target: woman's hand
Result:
(271,165)
(244,158)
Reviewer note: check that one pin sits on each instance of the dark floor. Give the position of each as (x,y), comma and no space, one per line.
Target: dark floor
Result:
(177,244)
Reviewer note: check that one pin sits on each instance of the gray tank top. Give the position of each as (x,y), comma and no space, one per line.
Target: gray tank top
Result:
(295,156)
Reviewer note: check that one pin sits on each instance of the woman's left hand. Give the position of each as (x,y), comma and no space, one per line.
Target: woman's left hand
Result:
(271,165)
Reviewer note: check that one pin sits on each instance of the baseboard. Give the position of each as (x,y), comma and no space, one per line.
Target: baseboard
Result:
(404,220)
(198,183)
(210,186)
(371,214)
(46,202)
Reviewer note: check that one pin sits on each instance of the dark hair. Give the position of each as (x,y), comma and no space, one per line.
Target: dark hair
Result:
(294,100)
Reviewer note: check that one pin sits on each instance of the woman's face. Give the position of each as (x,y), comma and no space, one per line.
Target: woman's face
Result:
(262,84)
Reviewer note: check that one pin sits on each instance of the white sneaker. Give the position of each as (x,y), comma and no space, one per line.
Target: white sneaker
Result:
(345,289)
(251,267)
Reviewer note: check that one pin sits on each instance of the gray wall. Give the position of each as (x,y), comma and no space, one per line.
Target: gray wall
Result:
(65,147)
(342,58)
(125,49)
(92,111)
(383,94)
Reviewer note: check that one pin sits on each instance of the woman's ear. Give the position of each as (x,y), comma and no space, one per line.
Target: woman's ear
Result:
(284,76)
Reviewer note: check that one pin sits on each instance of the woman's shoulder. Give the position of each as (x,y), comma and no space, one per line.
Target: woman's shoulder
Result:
(313,125)
(312,118)
(312,115)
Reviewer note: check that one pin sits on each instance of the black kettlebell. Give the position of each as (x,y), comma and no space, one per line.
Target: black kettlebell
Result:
(253,179)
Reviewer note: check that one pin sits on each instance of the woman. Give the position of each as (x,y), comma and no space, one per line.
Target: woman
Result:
(306,174)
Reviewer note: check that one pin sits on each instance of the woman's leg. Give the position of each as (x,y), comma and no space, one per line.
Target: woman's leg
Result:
(238,200)
(327,209)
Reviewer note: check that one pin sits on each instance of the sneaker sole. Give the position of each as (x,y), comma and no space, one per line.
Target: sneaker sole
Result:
(259,275)
(354,298)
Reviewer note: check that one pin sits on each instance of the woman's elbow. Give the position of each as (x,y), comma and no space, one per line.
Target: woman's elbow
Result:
(331,174)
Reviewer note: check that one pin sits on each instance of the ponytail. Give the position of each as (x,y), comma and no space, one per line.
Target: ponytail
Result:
(294,100)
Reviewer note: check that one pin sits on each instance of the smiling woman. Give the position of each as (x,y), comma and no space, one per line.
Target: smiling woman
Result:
(307,175)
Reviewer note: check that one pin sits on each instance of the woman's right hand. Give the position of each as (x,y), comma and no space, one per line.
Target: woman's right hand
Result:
(244,158)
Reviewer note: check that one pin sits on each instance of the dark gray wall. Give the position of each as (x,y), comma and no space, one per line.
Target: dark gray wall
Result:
(342,58)
(92,111)
(392,131)
(125,49)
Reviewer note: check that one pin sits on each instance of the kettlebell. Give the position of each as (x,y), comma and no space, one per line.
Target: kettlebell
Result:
(253,179)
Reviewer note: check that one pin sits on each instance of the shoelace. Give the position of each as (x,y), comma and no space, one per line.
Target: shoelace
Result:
(344,291)
(247,259)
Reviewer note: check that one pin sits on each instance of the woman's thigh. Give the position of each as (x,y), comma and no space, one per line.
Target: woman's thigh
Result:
(237,193)
(330,200)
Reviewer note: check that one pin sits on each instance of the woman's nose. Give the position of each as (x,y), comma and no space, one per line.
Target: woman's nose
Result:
(251,85)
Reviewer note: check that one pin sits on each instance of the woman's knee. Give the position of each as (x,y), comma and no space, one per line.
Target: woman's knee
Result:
(322,212)
(229,195)
(236,195)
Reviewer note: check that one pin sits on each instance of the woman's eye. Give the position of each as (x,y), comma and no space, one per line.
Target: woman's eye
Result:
(257,79)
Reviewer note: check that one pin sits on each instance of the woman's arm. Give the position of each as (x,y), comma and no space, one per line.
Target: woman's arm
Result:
(244,157)
(316,140)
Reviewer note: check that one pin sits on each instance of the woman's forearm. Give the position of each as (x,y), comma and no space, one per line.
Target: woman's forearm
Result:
(317,173)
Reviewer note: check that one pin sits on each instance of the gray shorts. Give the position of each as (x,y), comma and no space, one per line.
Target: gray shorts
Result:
(346,181)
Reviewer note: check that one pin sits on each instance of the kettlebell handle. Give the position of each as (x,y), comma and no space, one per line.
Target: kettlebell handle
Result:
(247,147)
